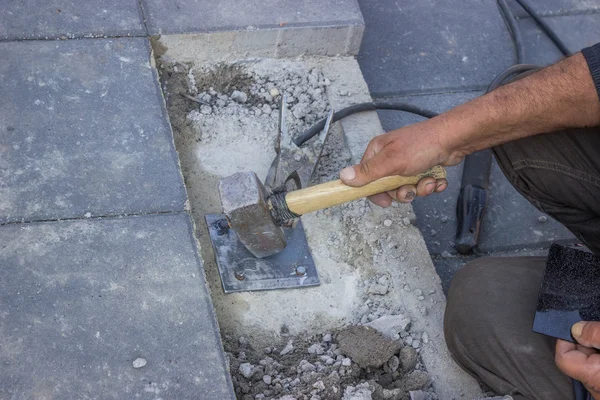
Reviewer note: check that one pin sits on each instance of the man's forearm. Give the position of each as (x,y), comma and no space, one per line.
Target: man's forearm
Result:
(558,97)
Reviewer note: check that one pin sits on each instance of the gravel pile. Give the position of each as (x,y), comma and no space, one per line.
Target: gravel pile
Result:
(354,363)
(251,95)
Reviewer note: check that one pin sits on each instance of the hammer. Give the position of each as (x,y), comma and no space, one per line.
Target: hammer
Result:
(257,217)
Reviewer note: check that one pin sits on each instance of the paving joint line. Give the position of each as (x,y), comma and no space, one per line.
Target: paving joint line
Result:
(58,38)
(95,217)
(442,91)
(567,13)
(143,16)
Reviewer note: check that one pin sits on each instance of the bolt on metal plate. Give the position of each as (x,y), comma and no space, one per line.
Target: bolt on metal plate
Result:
(240,271)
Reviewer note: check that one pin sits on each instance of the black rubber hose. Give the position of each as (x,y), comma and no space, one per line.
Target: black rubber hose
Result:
(545,27)
(375,105)
(514,29)
(514,70)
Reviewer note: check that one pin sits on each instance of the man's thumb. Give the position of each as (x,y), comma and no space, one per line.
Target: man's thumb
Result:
(365,172)
(587,334)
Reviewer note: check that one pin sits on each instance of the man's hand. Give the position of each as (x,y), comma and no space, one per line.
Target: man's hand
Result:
(558,97)
(406,151)
(582,361)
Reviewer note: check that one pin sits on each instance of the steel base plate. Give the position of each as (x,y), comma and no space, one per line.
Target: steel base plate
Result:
(240,271)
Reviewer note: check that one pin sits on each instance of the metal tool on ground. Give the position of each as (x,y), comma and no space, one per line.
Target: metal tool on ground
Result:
(259,243)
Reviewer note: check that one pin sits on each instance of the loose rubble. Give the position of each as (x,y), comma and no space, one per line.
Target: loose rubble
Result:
(354,363)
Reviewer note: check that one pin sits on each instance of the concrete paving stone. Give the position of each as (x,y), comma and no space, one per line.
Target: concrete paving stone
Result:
(577,31)
(431,45)
(511,222)
(84,131)
(191,16)
(556,7)
(30,19)
(83,300)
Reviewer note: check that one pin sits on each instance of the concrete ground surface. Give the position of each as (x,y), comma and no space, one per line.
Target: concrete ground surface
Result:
(439,54)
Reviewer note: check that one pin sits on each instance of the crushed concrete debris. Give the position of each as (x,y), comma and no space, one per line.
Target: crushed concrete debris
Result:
(303,374)
(366,346)
(390,325)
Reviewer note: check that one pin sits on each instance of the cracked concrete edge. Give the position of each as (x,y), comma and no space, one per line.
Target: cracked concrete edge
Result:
(449,380)
(263,43)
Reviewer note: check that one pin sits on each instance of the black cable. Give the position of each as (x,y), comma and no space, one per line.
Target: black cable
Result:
(514,29)
(375,105)
(545,27)
(514,70)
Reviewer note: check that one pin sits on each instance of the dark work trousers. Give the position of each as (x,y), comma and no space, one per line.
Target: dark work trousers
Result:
(492,301)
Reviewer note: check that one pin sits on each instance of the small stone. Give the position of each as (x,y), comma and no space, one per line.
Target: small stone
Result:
(406,221)
(447,254)
(393,363)
(139,362)
(319,385)
(390,325)
(327,337)
(239,97)
(418,292)
(267,350)
(274,92)
(316,349)
(387,223)
(288,348)
(205,109)
(88,215)
(305,366)
(408,358)
(243,341)
(416,344)
(425,337)
(542,219)
(247,370)
(346,362)
(267,379)
(433,232)
(444,219)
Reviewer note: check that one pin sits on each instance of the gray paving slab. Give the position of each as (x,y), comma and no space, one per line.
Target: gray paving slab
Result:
(82,300)
(511,222)
(433,44)
(190,16)
(30,19)
(577,31)
(84,131)
(556,7)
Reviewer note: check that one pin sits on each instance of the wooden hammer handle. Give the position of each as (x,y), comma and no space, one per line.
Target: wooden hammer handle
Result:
(333,193)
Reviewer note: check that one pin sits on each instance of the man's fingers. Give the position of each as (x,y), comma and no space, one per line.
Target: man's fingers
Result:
(442,184)
(382,200)
(587,334)
(378,166)
(579,364)
(570,360)
(426,186)
(404,194)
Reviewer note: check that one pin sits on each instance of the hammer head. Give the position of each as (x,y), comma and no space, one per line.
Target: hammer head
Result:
(245,204)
